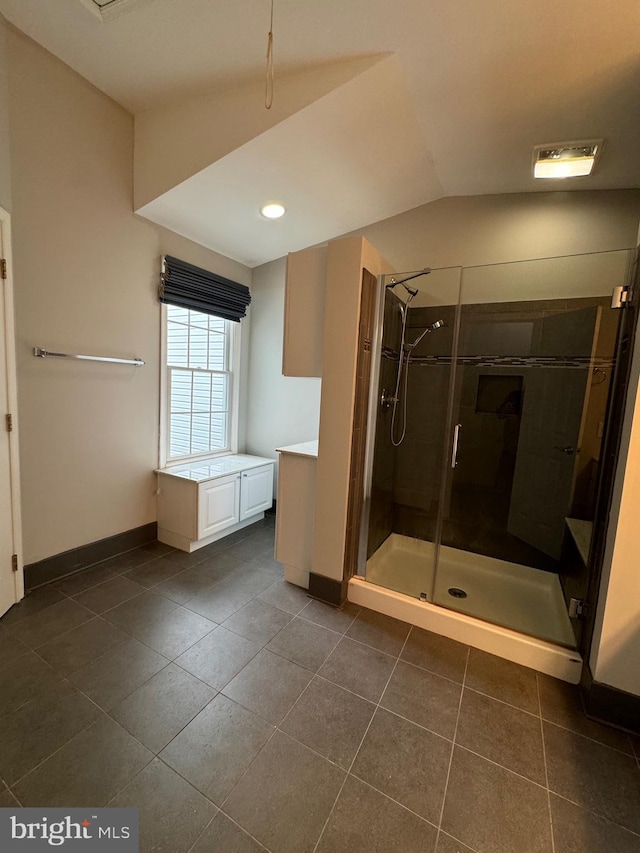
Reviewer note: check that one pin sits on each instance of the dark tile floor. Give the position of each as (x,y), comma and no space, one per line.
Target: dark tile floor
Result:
(240,716)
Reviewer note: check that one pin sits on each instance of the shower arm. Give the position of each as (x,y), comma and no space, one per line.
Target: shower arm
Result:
(425,271)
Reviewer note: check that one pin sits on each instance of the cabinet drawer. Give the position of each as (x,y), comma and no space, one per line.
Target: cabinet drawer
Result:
(256,491)
(218,504)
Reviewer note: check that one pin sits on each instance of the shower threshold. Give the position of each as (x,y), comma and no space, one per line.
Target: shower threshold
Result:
(513,611)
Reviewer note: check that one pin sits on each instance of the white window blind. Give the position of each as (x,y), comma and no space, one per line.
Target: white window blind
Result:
(199,382)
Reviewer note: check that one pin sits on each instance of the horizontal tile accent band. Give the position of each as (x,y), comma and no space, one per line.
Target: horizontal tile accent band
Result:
(327,589)
(52,568)
(576,362)
(609,705)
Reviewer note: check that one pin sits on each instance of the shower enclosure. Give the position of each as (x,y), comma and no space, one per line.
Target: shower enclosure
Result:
(487,411)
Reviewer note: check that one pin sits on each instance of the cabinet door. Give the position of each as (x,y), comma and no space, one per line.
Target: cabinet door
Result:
(256,491)
(218,504)
(304,312)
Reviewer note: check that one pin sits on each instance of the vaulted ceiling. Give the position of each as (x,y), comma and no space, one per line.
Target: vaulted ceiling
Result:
(485,81)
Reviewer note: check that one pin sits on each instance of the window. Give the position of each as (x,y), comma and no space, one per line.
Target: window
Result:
(199,384)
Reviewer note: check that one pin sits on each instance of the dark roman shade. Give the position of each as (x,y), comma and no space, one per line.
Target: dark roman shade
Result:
(191,287)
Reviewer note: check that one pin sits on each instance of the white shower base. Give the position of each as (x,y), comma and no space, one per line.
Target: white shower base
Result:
(517,600)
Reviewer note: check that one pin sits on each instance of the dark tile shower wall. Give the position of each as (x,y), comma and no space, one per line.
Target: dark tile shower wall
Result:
(481,492)
(418,473)
(407,480)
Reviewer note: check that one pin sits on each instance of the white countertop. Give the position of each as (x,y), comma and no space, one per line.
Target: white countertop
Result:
(208,469)
(307,448)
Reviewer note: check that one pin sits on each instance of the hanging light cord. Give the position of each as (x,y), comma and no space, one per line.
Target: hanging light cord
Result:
(268,93)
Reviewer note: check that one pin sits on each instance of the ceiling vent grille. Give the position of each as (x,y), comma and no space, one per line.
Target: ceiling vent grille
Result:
(107,10)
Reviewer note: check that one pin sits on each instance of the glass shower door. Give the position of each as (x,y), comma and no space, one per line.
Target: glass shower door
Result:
(535,350)
(408,430)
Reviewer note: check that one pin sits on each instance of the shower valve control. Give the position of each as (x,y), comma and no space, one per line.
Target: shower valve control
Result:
(386,399)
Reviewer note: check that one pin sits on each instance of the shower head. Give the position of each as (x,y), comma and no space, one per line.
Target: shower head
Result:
(430,328)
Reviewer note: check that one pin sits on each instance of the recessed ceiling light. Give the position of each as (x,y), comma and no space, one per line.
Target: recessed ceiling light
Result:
(273,210)
(565,159)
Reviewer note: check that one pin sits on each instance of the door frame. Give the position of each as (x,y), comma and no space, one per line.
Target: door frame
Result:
(617,406)
(12,397)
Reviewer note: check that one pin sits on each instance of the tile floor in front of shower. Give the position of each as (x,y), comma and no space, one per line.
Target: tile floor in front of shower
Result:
(238,715)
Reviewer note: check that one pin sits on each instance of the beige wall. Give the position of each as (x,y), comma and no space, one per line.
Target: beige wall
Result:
(492,229)
(346,260)
(615,653)
(86,275)
(615,657)
(282,410)
(5,166)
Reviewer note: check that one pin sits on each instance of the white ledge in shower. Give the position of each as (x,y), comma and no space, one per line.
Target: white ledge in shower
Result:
(528,651)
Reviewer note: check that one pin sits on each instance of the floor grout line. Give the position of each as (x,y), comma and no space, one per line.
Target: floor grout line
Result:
(75,735)
(355,756)
(246,832)
(124,573)
(313,675)
(397,802)
(546,770)
(591,739)
(342,635)
(55,581)
(596,814)
(255,757)
(501,766)
(203,831)
(453,747)
(439,675)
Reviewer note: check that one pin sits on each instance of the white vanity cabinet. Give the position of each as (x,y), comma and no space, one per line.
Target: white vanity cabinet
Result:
(256,491)
(296,509)
(218,505)
(200,502)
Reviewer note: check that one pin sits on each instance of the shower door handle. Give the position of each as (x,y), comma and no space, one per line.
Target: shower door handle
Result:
(454,449)
(570,451)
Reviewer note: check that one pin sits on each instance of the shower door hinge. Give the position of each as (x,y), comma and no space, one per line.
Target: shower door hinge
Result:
(9,422)
(3,268)
(621,296)
(577,608)
(14,562)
